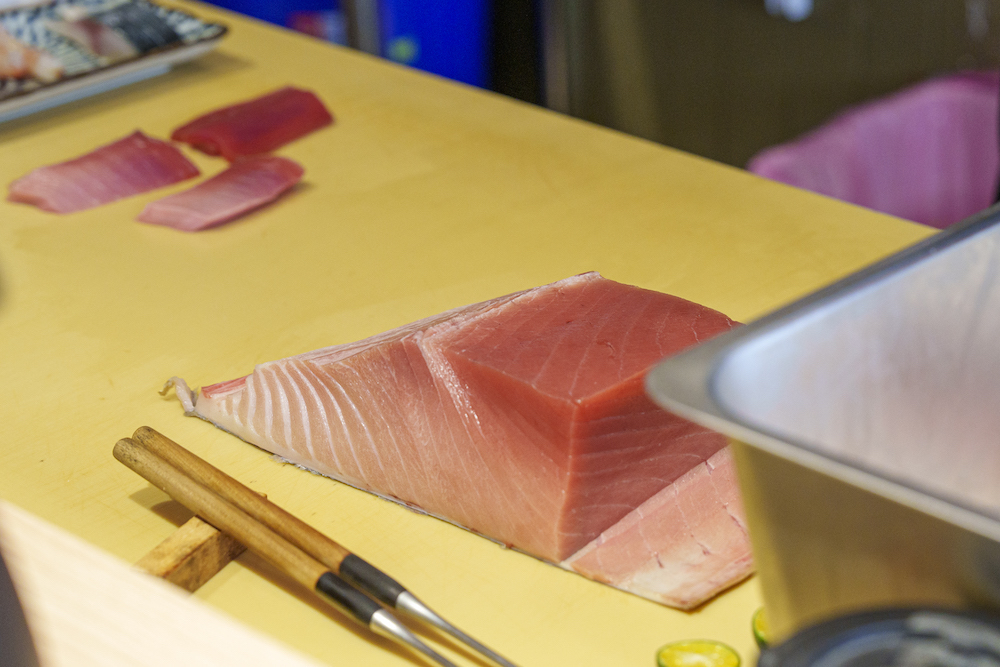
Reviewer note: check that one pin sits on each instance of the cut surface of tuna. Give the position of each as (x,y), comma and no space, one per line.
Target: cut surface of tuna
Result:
(522,418)
(256,126)
(127,167)
(244,186)
(680,547)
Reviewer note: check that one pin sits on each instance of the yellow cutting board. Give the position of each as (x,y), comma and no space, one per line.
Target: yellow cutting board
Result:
(423,196)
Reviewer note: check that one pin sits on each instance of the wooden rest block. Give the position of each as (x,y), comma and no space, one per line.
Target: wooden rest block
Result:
(195,553)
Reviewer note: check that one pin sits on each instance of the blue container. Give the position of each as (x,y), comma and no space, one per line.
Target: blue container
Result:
(449,38)
(445,37)
(320,18)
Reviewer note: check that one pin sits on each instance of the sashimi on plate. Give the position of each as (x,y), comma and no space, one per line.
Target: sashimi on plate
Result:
(115,32)
(522,418)
(19,60)
(244,186)
(256,126)
(82,47)
(124,168)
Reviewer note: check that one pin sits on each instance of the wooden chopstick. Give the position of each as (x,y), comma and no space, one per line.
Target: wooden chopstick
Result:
(260,539)
(288,526)
(336,557)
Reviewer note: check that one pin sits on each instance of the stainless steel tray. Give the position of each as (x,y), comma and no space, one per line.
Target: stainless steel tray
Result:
(865,420)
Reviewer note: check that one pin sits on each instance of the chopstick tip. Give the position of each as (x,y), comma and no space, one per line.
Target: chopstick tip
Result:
(144,431)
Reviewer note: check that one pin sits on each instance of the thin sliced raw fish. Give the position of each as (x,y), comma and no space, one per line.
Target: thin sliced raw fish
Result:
(522,418)
(20,61)
(244,186)
(121,169)
(257,126)
(682,546)
(120,32)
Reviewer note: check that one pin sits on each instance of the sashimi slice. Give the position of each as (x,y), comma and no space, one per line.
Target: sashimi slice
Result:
(119,32)
(121,169)
(522,418)
(244,186)
(19,61)
(256,126)
(682,546)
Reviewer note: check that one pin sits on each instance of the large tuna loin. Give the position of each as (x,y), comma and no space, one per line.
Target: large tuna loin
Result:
(522,418)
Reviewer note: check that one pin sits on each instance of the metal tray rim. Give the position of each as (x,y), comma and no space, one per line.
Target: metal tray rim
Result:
(686,385)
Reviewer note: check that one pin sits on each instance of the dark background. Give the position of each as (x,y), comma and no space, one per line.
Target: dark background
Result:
(724,78)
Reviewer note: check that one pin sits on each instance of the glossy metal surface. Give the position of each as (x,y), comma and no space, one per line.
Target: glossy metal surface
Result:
(385,624)
(412,606)
(865,424)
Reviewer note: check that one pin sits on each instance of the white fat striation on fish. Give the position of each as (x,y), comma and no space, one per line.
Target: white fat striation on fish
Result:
(522,418)
(682,546)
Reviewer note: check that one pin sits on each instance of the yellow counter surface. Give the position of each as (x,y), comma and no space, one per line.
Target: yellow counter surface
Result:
(424,195)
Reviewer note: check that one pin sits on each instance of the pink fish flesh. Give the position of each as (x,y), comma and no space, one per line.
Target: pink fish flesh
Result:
(20,61)
(256,126)
(522,418)
(119,32)
(680,547)
(244,186)
(121,169)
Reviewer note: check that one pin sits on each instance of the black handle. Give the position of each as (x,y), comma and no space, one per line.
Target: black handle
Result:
(351,600)
(372,579)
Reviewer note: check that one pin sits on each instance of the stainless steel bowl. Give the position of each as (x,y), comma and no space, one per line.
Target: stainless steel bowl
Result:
(865,421)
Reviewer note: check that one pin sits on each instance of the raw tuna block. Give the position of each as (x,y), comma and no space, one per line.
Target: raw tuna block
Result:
(522,418)
(680,547)
(256,126)
(242,187)
(121,169)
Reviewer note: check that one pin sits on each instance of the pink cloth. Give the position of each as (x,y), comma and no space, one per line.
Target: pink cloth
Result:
(928,153)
